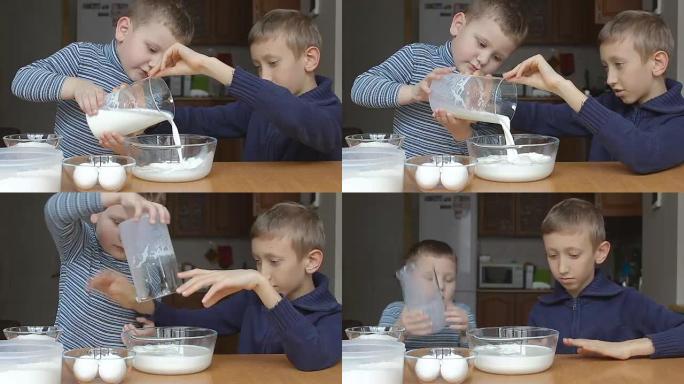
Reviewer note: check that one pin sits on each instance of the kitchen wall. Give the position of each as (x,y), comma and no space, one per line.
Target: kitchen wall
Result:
(663,249)
(373,249)
(24,37)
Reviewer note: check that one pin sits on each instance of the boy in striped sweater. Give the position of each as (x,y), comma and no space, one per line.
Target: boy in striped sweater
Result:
(78,76)
(432,259)
(84,227)
(482,38)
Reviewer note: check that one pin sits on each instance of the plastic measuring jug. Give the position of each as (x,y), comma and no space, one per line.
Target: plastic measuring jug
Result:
(422,293)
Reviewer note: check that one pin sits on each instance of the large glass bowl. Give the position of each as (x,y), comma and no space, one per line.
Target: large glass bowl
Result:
(376,333)
(432,173)
(378,140)
(33,140)
(159,159)
(171,350)
(108,173)
(532,157)
(513,350)
(439,365)
(33,332)
(109,365)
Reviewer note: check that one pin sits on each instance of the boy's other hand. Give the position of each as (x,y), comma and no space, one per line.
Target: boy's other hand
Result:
(179,60)
(416,322)
(135,205)
(115,286)
(114,141)
(90,97)
(536,72)
(456,318)
(421,91)
(222,284)
(460,129)
(618,350)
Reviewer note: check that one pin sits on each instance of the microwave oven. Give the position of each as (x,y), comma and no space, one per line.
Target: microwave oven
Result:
(496,275)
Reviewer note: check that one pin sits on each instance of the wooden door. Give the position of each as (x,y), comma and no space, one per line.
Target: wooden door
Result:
(495,309)
(496,214)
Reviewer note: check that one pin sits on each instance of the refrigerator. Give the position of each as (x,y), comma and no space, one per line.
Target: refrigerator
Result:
(452,218)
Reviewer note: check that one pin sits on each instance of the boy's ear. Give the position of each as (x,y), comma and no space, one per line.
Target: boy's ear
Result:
(314,260)
(123,27)
(602,252)
(457,24)
(312,57)
(660,62)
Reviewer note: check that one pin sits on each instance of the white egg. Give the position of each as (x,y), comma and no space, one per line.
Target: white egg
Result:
(85,176)
(427,368)
(85,368)
(112,369)
(454,176)
(112,177)
(427,176)
(454,369)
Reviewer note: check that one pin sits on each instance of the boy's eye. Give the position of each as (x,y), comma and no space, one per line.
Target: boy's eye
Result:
(551,255)
(483,44)
(498,58)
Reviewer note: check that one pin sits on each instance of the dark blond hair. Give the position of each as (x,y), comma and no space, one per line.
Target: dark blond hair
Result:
(507,13)
(171,13)
(575,214)
(292,220)
(299,30)
(649,31)
(433,248)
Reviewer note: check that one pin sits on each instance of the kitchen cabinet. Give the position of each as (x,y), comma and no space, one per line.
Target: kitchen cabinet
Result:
(261,7)
(210,215)
(561,22)
(220,22)
(607,9)
(619,204)
(262,202)
(496,308)
(224,344)
(517,215)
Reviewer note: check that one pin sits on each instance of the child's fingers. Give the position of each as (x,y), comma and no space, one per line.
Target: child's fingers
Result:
(217,292)
(191,273)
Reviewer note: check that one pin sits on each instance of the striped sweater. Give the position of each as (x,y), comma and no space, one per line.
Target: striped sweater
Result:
(42,81)
(444,338)
(379,88)
(88,319)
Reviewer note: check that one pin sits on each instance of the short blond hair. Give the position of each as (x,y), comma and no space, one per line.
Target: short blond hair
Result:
(434,248)
(171,13)
(507,13)
(575,214)
(299,30)
(295,221)
(649,31)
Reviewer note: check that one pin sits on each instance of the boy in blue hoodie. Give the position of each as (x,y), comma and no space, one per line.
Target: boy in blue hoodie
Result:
(640,122)
(282,307)
(593,315)
(286,114)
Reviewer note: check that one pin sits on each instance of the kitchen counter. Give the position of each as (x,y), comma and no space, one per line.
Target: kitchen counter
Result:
(573,369)
(243,369)
(583,177)
(248,177)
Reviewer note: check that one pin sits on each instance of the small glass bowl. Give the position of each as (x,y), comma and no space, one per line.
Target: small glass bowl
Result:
(376,333)
(377,140)
(440,365)
(108,173)
(37,332)
(99,365)
(446,173)
(33,140)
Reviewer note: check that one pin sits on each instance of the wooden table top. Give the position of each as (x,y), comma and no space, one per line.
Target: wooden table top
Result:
(251,177)
(573,369)
(243,369)
(585,177)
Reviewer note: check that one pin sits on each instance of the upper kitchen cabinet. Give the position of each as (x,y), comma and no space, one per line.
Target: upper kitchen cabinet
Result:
(619,204)
(607,9)
(227,22)
(261,7)
(558,21)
